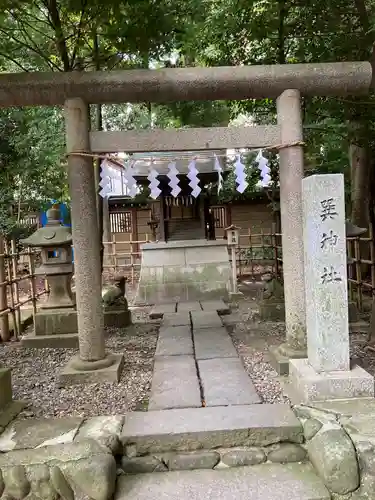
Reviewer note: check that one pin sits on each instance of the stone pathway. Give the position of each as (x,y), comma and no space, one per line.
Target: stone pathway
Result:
(196,363)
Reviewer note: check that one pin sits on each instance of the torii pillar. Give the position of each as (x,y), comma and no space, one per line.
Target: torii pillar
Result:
(289,118)
(92,364)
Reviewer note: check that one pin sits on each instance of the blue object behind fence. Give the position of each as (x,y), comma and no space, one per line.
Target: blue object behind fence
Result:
(64,215)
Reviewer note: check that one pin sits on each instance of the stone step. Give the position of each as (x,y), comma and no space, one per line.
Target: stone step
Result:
(215,305)
(211,343)
(174,341)
(174,383)
(225,382)
(158,311)
(205,319)
(259,482)
(209,428)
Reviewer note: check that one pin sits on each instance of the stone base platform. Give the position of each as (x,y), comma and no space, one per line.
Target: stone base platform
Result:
(185,270)
(271,310)
(70,375)
(312,386)
(117,318)
(56,321)
(66,341)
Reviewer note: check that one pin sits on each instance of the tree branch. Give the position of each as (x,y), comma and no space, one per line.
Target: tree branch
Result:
(60,38)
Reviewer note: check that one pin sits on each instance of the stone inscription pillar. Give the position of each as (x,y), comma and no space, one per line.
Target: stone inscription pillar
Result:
(85,233)
(291,174)
(327,373)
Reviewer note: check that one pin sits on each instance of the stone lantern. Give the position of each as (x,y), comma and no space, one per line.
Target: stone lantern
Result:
(57,316)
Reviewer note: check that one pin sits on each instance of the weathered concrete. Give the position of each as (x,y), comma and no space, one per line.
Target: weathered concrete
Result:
(193,460)
(104,430)
(36,433)
(188,306)
(5,387)
(283,453)
(211,343)
(215,305)
(259,482)
(117,317)
(312,386)
(93,363)
(174,383)
(225,383)
(176,319)
(73,374)
(9,409)
(159,310)
(205,319)
(56,322)
(64,341)
(174,341)
(185,270)
(221,83)
(197,428)
(272,310)
(289,117)
(59,471)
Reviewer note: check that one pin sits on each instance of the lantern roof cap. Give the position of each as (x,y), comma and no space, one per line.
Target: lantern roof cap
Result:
(53,234)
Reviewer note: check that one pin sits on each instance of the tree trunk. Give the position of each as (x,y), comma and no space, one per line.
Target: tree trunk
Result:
(360,178)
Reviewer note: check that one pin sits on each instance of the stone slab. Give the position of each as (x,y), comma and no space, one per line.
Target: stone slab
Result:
(225,383)
(210,343)
(71,376)
(36,433)
(259,482)
(174,341)
(196,428)
(313,386)
(174,384)
(159,310)
(215,305)
(64,341)
(188,306)
(176,319)
(205,319)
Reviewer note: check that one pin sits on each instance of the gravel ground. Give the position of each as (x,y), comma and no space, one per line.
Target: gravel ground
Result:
(253,340)
(34,375)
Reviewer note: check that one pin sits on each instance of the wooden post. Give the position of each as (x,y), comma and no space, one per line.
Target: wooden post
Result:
(4,319)
(13,249)
(31,262)
(10,282)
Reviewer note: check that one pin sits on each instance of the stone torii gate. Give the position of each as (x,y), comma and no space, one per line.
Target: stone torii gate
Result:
(75,91)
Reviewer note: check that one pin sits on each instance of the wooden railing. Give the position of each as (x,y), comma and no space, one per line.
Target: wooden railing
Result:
(16,270)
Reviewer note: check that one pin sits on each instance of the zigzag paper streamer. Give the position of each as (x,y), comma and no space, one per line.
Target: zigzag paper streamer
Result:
(193,177)
(173,179)
(264,168)
(240,175)
(219,170)
(130,182)
(154,184)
